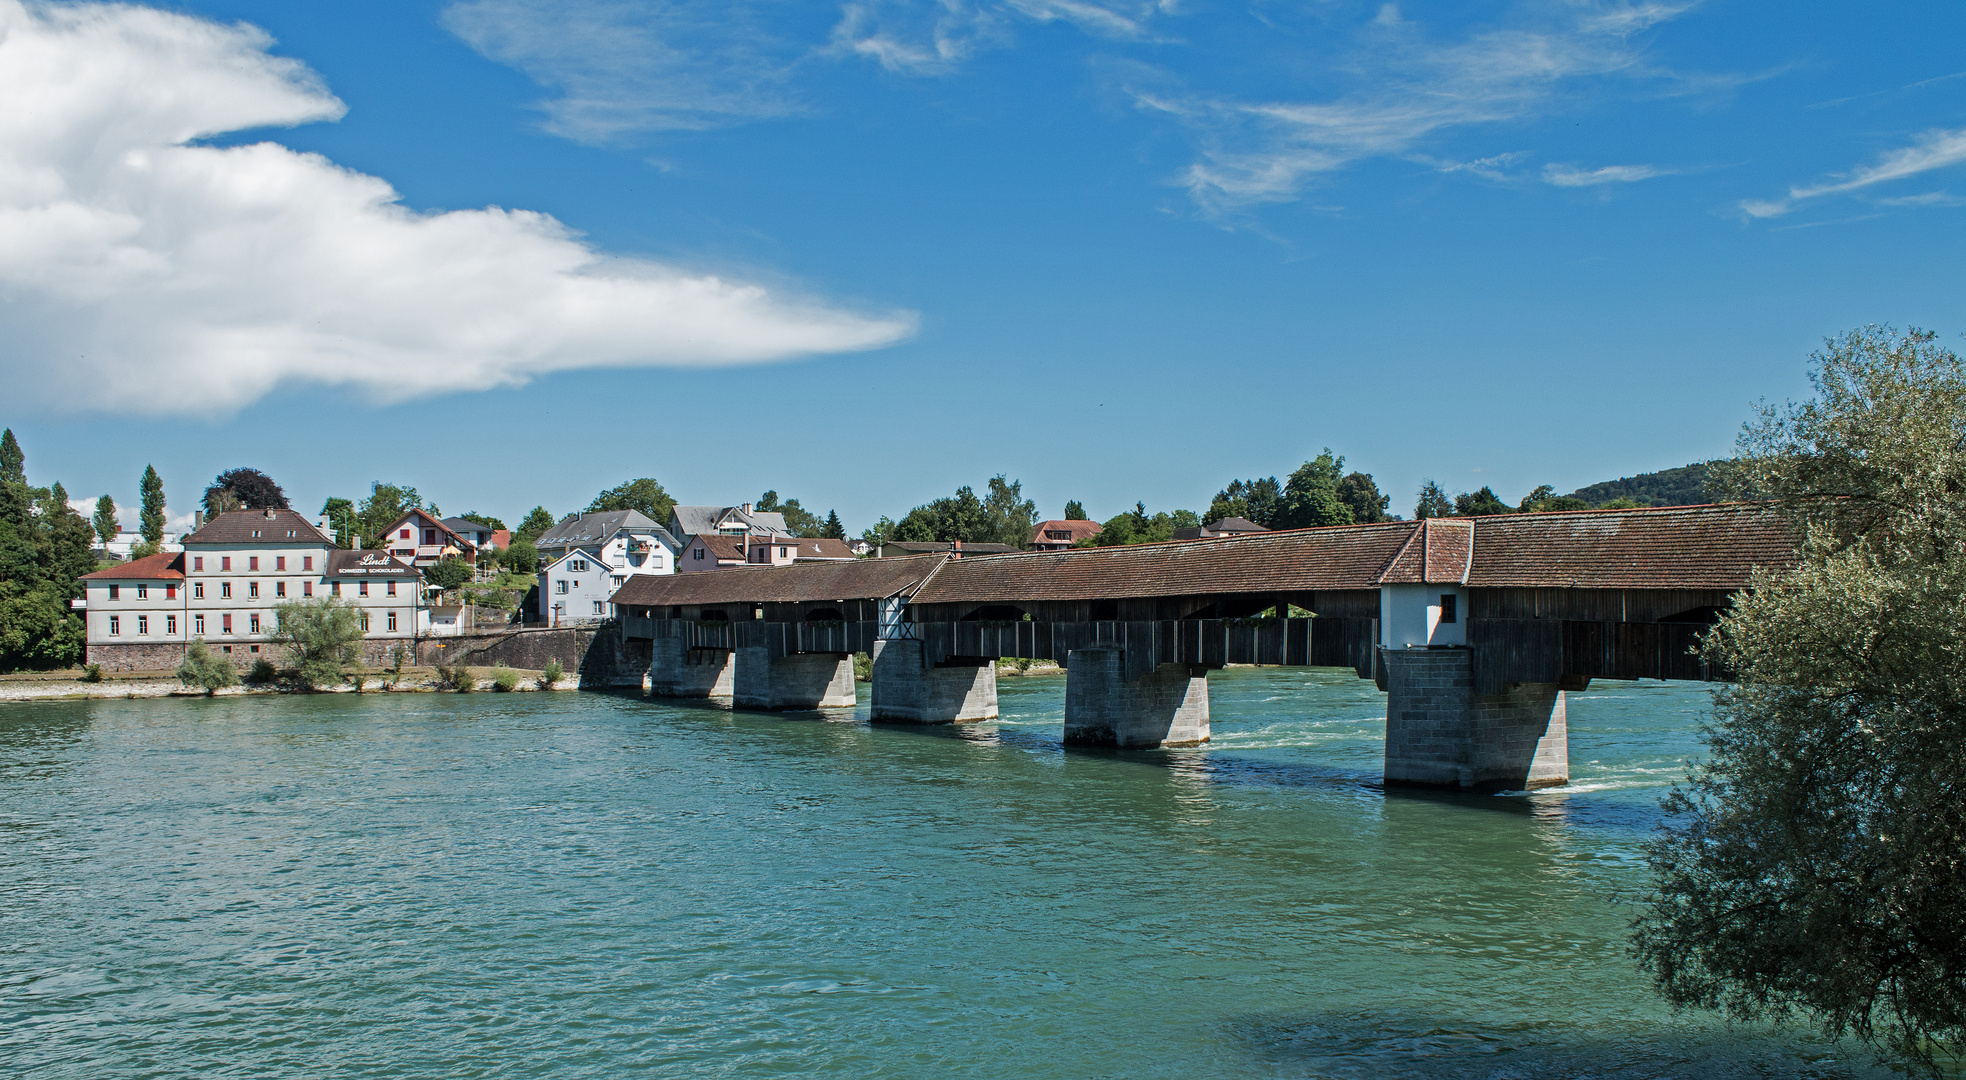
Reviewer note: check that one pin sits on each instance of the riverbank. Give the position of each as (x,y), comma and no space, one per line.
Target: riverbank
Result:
(72,684)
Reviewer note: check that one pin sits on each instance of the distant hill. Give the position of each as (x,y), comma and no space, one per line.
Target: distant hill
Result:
(1684,486)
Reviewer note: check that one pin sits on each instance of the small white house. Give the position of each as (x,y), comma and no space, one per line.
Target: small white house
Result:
(575,588)
(1423,594)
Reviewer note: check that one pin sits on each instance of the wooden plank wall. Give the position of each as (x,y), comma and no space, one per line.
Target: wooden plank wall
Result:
(1546,650)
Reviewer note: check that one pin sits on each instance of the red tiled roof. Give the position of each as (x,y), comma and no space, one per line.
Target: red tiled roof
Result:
(823,547)
(163,566)
(860,579)
(238,527)
(1074,530)
(720,546)
(1437,552)
(1681,547)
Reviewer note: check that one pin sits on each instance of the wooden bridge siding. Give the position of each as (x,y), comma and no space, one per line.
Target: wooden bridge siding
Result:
(1547,650)
(1355,603)
(1591,605)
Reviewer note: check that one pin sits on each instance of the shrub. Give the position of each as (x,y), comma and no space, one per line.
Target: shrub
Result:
(395,673)
(263,672)
(205,669)
(458,678)
(504,679)
(92,673)
(323,638)
(448,574)
(551,674)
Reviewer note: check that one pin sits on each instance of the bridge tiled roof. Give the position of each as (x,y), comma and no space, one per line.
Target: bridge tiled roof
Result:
(861,579)
(1682,547)
(1438,551)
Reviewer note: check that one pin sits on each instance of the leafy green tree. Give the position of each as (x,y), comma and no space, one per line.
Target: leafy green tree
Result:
(322,637)
(495,525)
(1010,517)
(1075,512)
(539,521)
(834,529)
(1136,526)
(1621,503)
(918,527)
(44,547)
(644,495)
(13,463)
(385,506)
(244,489)
(1433,502)
(879,533)
(1310,496)
(448,574)
(1813,863)
(1361,496)
(205,669)
(339,513)
(150,523)
(1251,500)
(522,557)
(1545,499)
(1481,503)
(105,520)
(961,516)
(797,518)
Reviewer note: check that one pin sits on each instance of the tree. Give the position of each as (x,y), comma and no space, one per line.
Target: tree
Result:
(1310,496)
(496,525)
(961,516)
(150,524)
(243,489)
(1361,496)
(1074,511)
(1137,527)
(879,533)
(1481,503)
(645,496)
(522,557)
(339,513)
(1252,500)
(539,521)
(385,506)
(1812,863)
(1433,502)
(205,669)
(798,519)
(105,520)
(1545,499)
(13,463)
(833,530)
(918,527)
(1010,517)
(323,638)
(450,573)
(44,547)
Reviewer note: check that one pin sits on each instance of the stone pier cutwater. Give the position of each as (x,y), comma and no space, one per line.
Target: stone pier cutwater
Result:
(908,690)
(795,682)
(679,672)
(1167,706)
(1440,733)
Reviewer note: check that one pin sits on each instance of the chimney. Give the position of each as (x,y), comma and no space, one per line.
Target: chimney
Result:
(197,520)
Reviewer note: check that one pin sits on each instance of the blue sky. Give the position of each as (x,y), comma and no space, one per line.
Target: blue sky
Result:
(863,252)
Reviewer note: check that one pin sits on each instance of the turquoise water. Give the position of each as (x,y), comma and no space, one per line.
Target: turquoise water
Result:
(575,885)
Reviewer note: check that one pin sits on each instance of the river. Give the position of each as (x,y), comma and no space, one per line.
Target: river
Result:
(584,885)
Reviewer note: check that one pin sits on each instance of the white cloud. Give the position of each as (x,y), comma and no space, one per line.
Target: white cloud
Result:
(1935,149)
(140,272)
(1571,176)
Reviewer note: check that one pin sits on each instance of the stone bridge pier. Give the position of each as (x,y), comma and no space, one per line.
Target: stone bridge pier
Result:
(909,690)
(1440,733)
(793,682)
(679,672)
(1167,706)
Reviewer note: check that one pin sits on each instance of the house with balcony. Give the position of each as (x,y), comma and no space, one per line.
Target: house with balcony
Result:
(585,558)
(744,519)
(482,537)
(423,540)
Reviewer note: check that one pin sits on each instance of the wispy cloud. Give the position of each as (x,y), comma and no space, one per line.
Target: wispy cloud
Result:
(1936,149)
(1570,176)
(1409,88)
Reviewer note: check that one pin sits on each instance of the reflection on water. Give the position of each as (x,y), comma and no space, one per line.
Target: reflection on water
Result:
(586,885)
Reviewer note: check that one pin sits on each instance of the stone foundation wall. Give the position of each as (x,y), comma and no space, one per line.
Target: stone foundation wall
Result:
(1165,707)
(1440,733)
(794,683)
(907,692)
(690,673)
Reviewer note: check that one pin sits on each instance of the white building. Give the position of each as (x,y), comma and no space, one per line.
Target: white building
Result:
(223,587)
(587,557)
(689,522)
(127,540)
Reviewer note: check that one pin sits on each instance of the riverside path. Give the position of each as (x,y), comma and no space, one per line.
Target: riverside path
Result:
(1475,627)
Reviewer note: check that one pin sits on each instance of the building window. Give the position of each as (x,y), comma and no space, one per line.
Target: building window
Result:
(252,622)
(392,622)
(335,588)
(619,580)
(170,624)
(559,586)
(405,535)
(1447,607)
(198,625)
(198,563)
(577,565)
(252,561)
(170,592)
(114,590)
(697,553)
(279,562)
(197,590)
(280,589)
(392,588)
(597,608)
(365,622)
(225,562)
(252,590)
(225,624)
(143,624)
(362,588)
(307,589)
(781,553)
(143,592)
(429,536)
(255,534)
(115,625)
(225,590)
(307,562)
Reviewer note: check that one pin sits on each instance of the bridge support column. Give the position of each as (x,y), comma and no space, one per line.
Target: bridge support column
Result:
(794,683)
(677,672)
(1440,733)
(1168,706)
(909,691)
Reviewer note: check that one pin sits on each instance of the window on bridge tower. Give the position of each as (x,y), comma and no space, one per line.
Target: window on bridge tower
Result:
(1447,607)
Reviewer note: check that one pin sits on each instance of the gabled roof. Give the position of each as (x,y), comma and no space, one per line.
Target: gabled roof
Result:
(860,579)
(821,547)
(697,520)
(1078,530)
(274,527)
(599,528)
(388,535)
(1715,546)
(163,566)
(1440,551)
(1234,525)
(367,564)
(720,546)
(587,551)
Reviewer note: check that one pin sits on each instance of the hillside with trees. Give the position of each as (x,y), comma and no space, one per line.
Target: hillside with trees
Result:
(1684,486)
